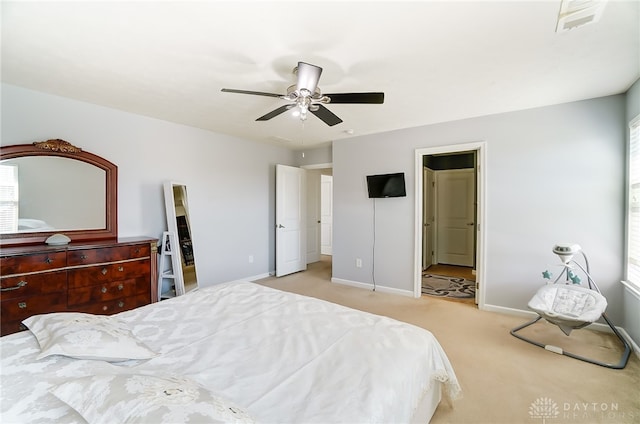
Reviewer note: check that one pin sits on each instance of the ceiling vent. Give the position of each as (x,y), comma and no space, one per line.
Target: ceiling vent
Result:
(575,13)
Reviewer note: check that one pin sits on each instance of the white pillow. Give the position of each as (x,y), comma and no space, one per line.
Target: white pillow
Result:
(139,398)
(86,336)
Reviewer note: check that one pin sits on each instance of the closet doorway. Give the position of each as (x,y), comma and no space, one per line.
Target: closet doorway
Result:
(449,190)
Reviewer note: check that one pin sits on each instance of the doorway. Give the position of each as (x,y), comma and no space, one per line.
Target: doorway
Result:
(449,211)
(319,214)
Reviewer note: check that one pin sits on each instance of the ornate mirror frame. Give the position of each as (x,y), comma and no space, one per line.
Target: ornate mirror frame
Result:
(61,148)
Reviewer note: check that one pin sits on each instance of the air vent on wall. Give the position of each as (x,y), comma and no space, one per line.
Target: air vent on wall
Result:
(575,13)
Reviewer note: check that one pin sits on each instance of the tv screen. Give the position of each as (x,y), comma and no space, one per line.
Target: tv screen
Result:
(387,185)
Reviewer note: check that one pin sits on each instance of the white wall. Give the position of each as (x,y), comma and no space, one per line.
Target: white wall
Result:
(230,180)
(554,174)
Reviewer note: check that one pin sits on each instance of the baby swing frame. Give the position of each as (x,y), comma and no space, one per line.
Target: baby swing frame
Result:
(555,349)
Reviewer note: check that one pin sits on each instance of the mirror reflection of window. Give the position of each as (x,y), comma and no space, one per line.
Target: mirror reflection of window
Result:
(9,198)
(57,193)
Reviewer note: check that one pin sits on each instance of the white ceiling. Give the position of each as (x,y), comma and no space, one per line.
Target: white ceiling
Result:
(435,61)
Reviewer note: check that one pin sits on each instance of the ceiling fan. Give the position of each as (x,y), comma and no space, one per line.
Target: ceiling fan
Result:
(306,95)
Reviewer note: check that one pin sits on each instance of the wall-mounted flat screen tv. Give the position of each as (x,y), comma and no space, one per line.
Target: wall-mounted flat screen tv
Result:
(386,185)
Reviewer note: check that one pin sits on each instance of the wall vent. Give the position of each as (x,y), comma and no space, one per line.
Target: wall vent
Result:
(575,13)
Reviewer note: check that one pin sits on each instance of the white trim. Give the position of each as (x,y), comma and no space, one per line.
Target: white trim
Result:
(369,286)
(627,337)
(632,288)
(481,169)
(510,311)
(259,276)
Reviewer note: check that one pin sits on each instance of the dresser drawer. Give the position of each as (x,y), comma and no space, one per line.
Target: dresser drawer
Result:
(114,306)
(33,284)
(32,263)
(12,327)
(88,276)
(24,307)
(107,254)
(103,292)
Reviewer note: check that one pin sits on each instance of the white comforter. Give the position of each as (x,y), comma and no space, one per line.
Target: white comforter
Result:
(285,358)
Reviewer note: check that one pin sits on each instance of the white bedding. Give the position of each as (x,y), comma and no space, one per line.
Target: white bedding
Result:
(284,358)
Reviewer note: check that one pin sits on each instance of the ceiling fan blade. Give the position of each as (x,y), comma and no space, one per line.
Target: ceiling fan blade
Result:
(326,115)
(370,98)
(255,93)
(275,113)
(308,77)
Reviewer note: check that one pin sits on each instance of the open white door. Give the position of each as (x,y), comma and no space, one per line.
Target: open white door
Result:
(290,220)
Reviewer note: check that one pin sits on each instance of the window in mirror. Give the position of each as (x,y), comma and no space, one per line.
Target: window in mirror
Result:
(74,199)
(8,198)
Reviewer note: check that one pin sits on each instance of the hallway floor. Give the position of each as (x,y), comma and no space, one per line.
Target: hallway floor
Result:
(465,272)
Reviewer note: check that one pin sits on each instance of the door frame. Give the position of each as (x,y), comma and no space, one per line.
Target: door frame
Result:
(481,153)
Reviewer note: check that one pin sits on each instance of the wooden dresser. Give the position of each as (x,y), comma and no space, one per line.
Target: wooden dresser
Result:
(99,277)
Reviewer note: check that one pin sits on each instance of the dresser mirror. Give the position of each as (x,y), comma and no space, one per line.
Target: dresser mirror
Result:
(179,223)
(54,187)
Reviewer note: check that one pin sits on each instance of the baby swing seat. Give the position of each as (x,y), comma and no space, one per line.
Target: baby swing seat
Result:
(571,306)
(568,306)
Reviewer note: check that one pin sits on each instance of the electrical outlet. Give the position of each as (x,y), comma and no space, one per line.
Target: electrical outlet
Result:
(250,259)
(358,263)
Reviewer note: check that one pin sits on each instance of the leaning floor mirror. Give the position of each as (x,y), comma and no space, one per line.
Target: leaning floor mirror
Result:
(178,223)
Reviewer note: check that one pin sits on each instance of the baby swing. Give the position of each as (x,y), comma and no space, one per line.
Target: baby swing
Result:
(571,306)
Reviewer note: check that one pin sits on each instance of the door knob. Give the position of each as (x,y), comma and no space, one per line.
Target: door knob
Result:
(469,223)
(279,226)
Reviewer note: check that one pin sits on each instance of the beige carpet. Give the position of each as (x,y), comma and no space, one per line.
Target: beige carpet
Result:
(504,380)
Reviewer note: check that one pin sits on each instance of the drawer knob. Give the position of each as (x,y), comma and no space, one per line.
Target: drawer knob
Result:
(22,305)
(20,284)
(120,286)
(103,290)
(104,308)
(120,304)
(104,271)
(48,260)
(120,268)
(83,257)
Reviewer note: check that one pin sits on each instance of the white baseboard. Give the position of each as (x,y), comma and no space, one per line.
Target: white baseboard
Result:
(258,277)
(509,311)
(369,286)
(627,337)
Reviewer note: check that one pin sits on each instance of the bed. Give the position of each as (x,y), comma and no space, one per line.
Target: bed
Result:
(256,353)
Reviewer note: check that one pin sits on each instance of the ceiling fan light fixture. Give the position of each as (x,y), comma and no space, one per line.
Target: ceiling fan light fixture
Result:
(305,96)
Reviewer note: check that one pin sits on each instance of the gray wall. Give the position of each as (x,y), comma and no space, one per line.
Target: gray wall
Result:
(318,155)
(230,180)
(554,174)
